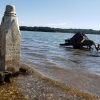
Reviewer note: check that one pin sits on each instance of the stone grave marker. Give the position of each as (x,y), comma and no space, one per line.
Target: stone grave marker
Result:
(10,40)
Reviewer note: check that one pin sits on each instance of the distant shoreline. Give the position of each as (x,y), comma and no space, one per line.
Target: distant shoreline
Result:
(49,29)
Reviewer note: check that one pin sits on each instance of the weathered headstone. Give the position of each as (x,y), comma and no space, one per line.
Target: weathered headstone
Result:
(10,39)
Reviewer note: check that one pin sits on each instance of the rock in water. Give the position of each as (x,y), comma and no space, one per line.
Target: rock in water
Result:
(10,39)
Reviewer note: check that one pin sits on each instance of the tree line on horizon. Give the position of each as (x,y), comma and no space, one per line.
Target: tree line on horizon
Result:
(49,29)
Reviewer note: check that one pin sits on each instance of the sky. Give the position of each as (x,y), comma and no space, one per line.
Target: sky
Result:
(84,14)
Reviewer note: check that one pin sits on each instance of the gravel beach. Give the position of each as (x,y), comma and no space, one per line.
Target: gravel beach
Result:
(31,87)
(34,86)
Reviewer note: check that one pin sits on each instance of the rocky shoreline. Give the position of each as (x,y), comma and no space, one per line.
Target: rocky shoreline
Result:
(35,86)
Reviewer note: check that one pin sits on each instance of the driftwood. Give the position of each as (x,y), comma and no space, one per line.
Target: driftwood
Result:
(79,41)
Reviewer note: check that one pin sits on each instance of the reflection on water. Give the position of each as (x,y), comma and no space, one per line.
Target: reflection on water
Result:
(43,50)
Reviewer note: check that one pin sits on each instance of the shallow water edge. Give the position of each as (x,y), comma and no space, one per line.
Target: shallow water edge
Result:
(86,82)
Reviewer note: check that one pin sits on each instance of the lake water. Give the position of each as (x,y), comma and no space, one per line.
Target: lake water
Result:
(43,51)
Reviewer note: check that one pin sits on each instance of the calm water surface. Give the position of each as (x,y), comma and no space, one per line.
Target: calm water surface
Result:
(42,49)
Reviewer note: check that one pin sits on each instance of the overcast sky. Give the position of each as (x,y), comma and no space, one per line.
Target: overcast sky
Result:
(56,13)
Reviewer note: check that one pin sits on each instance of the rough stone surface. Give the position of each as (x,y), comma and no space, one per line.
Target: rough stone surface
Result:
(10,39)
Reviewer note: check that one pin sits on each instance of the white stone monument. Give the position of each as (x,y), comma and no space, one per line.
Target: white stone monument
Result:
(10,40)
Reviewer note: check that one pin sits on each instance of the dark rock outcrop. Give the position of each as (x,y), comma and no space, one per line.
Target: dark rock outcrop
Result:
(8,76)
(78,41)
(5,77)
